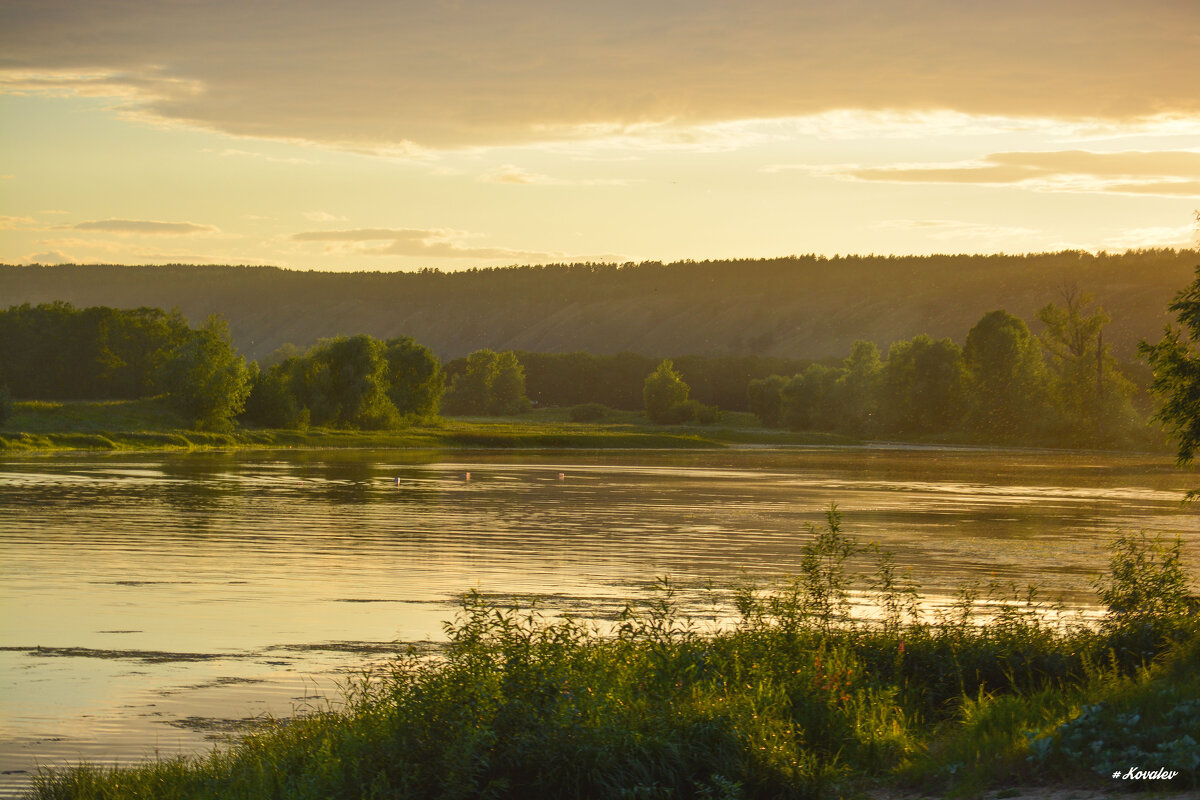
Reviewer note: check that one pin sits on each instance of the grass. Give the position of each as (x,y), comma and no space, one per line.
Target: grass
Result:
(795,699)
(151,425)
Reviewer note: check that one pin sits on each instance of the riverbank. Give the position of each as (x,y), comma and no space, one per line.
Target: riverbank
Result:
(791,699)
(149,425)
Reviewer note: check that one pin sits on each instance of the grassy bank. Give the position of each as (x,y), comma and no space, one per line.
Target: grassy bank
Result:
(792,699)
(151,425)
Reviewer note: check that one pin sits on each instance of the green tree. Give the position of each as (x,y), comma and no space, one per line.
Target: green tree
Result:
(1007,382)
(1093,397)
(856,395)
(923,385)
(272,402)
(344,382)
(205,378)
(662,390)
(415,378)
(490,383)
(764,397)
(507,395)
(471,390)
(808,399)
(1175,360)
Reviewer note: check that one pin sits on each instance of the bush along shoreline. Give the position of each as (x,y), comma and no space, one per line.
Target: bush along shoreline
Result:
(793,698)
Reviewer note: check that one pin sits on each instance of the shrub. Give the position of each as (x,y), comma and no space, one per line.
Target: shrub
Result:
(589,412)
(1147,594)
(662,392)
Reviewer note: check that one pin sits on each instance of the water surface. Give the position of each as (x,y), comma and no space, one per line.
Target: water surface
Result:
(148,602)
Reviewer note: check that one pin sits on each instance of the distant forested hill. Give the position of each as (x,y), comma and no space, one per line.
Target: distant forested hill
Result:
(797,307)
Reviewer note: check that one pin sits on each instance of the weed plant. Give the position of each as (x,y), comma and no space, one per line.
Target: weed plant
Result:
(794,699)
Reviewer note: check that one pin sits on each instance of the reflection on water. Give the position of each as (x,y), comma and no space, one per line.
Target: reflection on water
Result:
(255,578)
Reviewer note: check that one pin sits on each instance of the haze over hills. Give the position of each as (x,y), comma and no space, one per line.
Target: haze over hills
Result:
(797,307)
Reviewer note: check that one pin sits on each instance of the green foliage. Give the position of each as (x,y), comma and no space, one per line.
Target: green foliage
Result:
(1093,397)
(569,379)
(1175,361)
(1148,722)
(471,391)
(858,387)
(690,411)
(765,399)
(795,306)
(589,412)
(810,400)
(55,351)
(272,403)
(662,391)
(923,385)
(507,394)
(344,382)
(350,382)
(205,379)
(490,384)
(415,378)
(1007,382)
(998,389)
(796,700)
(1147,595)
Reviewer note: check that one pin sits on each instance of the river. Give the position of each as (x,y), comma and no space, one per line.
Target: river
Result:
(150,602)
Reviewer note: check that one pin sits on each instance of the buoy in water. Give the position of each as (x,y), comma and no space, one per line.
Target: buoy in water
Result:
(562,476)
(397,480)
(466,476)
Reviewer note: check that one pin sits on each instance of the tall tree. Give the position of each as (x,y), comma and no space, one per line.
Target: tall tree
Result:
(415,378)
(764,397)
(1092,394)
(344,382)
(507,395)
(1007,382)
(205,378)
(490,383)
(1175,360)
(808,399)
(856,395)
(923,385)
(662,390)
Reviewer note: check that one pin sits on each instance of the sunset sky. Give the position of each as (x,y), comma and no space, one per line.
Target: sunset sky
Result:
(375,135)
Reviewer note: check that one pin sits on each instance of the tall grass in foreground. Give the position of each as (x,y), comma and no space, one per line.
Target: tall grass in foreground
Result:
(794,700)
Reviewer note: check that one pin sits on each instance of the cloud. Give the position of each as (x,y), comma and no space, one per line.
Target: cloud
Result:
(400,75)
(1171,172)
(50,257)
(321,216)
(16,223)
(433,243)
(144,226)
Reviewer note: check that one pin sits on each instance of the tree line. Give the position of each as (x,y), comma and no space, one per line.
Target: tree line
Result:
(616,381)
(56,351)
(1003,385)
(796,307)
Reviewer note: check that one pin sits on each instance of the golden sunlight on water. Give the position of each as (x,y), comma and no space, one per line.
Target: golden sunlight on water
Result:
(152,602)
